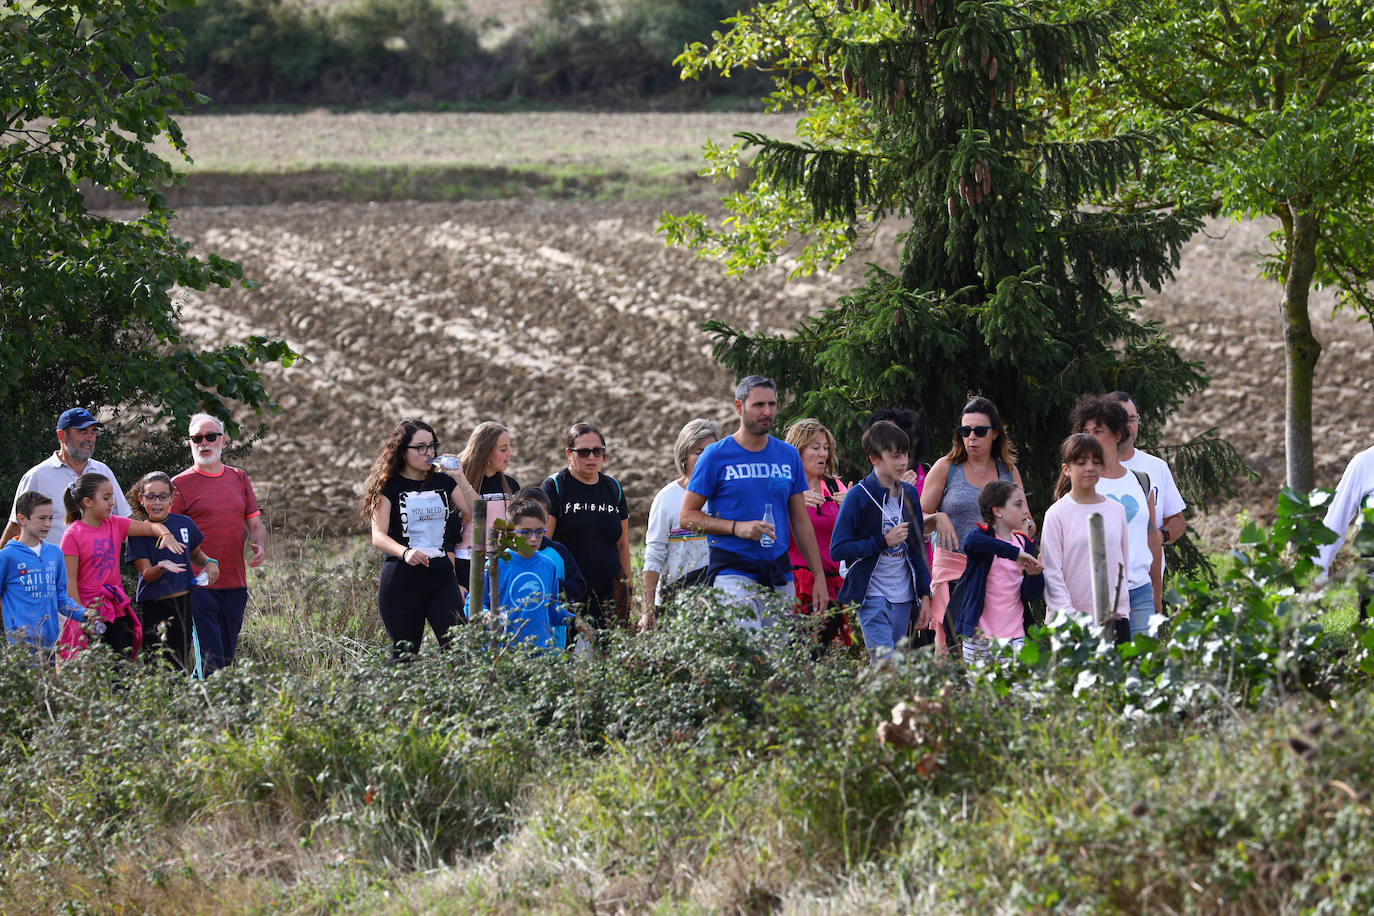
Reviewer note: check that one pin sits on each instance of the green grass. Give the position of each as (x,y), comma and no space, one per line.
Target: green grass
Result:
(316,155)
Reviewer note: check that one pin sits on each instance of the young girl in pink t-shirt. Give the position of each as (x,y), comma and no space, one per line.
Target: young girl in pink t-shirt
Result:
(92,546)
(1002,575)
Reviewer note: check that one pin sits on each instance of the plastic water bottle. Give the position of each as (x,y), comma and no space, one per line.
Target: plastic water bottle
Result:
(446,463)
(768,540)
(202,578)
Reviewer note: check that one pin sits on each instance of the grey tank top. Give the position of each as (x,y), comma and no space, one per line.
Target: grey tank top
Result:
(960,499)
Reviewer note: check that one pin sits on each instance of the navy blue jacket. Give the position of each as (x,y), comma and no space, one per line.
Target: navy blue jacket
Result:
(858,539)
(981,548)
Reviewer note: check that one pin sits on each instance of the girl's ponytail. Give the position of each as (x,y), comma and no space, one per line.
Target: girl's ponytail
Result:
(1062,485)
(80,490)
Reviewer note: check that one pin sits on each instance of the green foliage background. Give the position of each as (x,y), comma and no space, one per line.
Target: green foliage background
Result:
(87,315)
(254,52)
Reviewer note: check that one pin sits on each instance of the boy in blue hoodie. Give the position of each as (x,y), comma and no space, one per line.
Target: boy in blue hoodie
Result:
(528,604)
(879,532)
(33,578)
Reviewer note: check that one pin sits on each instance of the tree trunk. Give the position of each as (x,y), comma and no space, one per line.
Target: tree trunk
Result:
(1301,347)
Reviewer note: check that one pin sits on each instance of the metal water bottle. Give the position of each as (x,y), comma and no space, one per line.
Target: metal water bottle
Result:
(768,540)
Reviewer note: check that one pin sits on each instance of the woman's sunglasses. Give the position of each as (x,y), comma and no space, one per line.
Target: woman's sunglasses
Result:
(598,451)
(979,431)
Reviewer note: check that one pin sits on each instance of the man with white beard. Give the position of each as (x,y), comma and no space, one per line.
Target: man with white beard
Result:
(77,430)
(220,500)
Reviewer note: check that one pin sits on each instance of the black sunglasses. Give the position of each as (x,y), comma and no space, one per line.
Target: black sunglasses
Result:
(206,437)
(597,451)
(979,431)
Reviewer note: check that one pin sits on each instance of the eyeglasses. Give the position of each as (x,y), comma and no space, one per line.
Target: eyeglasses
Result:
(206,437)
(979,431)
(431,447)
(598,451)
(530,532)
(156,497)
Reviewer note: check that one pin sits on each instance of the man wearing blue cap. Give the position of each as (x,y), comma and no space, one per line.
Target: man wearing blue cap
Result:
(76,435)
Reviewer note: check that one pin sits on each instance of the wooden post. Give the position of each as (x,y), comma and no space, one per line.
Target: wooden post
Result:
(494,579)
(479,557)
(1097,549)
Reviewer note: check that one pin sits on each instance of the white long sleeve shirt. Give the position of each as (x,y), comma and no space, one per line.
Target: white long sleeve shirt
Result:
(1357,484)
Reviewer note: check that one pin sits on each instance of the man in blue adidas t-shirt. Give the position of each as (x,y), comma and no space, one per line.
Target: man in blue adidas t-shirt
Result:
(754,483)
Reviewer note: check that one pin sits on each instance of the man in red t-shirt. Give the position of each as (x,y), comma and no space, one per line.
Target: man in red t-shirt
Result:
(220,500)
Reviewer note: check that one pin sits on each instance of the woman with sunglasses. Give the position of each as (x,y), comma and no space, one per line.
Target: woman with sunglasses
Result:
(416,514)
(589,516)
(981,453)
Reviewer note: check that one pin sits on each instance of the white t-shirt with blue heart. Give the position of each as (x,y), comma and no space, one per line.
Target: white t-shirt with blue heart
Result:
(1127,491)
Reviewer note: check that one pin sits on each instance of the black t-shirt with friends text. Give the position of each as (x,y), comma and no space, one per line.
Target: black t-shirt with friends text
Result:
(589,524)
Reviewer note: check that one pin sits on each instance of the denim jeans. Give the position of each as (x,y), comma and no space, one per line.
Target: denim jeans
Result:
(1142,600)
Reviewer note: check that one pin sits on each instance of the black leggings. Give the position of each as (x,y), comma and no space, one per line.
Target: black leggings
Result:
(407,596)
(175,644)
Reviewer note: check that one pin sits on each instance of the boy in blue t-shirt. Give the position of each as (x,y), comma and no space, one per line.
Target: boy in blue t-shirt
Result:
(33,578)
(528,604)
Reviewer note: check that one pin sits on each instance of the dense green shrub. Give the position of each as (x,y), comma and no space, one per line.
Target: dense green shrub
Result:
(1255,634)
(704,760)
(243,52)
(254,51)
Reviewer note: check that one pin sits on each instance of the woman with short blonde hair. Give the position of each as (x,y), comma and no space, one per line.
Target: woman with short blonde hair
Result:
(673,556)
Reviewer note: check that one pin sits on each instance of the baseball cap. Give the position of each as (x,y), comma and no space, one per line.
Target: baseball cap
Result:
(77,418)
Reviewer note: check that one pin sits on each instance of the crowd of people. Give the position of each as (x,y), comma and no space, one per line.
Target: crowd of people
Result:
(766,522)
(71,528)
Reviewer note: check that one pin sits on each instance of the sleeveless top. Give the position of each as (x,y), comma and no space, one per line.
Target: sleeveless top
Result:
(960,499)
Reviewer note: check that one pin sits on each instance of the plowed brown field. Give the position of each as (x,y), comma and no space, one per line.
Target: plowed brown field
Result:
(543,313)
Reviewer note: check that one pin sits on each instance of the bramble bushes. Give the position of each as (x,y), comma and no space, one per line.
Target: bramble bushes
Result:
(707,767)
(1256,634)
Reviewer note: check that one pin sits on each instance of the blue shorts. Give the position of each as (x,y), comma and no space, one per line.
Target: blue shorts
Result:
(883,624)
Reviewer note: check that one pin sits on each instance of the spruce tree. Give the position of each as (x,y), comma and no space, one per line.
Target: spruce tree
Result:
(1009,284)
